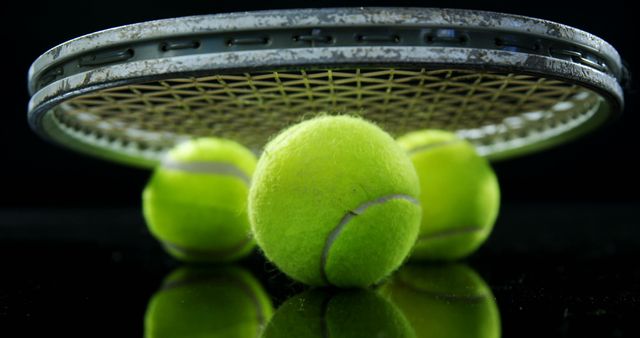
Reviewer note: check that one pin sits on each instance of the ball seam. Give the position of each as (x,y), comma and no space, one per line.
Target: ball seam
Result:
(446,296)
(337,230)
(431,146)
(204,254)
(450,232)
(208,167)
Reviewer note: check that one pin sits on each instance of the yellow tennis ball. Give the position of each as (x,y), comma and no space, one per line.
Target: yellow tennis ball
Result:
(338,314)
(334,202)
(459,194)
(196,201)
(450,301)
(225,302)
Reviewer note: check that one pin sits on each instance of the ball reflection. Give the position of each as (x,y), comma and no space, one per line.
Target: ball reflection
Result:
(208,302)
(338,314)
(445,301)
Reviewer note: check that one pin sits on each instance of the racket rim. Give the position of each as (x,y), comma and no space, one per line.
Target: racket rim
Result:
(115,35)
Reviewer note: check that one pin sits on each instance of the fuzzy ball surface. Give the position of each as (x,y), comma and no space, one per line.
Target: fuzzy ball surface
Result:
(334,202)
(459,194)
(195,203)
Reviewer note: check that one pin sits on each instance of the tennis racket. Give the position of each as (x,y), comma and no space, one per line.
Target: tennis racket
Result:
(509,84)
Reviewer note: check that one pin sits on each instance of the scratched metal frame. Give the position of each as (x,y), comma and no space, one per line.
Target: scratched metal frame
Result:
(509,84)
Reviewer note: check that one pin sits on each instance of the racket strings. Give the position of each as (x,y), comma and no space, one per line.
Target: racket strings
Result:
(485,107)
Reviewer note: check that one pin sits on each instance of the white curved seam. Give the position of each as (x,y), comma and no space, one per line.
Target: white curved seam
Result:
(432,146)
(333,235)
(210,167)
(450,232)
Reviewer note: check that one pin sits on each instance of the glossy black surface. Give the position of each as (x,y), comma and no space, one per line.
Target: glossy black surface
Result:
(555,271)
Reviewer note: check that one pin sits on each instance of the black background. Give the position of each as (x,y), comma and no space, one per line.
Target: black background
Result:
(598,168)
(77,260)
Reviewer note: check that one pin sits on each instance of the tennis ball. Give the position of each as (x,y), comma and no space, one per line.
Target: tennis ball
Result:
(204,302)
(334,202)
(459,194)
(338,314)
(196,201)
(449,301)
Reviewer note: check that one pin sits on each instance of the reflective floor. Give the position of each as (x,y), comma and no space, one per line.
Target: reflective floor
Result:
(547,271)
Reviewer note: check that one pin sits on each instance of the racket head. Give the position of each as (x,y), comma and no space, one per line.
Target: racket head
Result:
(509,84)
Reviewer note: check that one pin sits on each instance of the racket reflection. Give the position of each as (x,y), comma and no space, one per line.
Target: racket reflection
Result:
(446,301)
(223,301)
